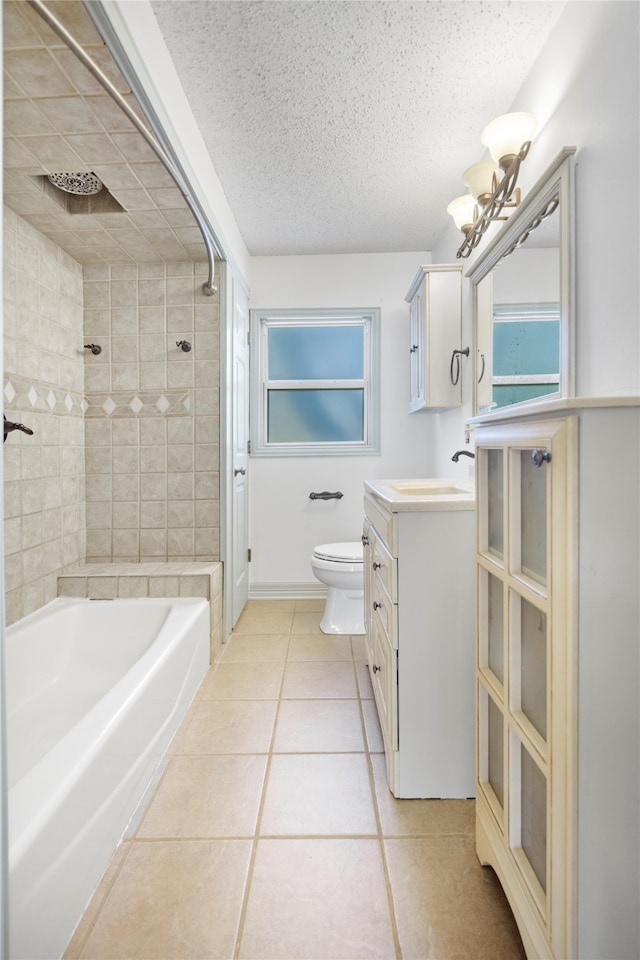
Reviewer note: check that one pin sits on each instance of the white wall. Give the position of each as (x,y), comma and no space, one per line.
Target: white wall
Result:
(584,91)
(284,524)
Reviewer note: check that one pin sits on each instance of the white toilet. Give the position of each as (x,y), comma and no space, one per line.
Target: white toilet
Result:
(341,567)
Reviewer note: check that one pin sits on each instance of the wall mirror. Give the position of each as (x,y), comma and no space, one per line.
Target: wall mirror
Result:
(523,296)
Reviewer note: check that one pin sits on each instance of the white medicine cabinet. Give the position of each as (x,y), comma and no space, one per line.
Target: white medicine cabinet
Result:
(435,320)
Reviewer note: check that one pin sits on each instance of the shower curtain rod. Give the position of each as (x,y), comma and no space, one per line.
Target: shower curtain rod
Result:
(209,287)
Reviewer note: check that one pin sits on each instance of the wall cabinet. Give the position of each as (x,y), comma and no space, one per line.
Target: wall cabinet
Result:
(419,644)
(557,719)
(435,321)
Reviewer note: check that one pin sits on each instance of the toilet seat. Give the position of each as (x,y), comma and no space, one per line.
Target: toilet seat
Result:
(340,552)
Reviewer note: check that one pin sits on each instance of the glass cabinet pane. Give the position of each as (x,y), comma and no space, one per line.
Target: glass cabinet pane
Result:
(534,816)
(533,666)
(533,507)
(495,749)
(495,496)
(495,626)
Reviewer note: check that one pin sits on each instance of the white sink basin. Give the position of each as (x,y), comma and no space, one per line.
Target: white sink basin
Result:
(414,495)
(429,488)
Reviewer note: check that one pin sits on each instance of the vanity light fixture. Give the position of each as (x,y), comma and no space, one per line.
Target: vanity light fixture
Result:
(508,139)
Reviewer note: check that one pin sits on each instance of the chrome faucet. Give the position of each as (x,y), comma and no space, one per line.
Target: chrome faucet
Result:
(462,453)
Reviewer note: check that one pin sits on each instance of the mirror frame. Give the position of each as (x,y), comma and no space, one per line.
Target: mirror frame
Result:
(558,178)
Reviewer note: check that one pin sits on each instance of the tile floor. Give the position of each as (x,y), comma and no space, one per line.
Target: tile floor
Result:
(272,833)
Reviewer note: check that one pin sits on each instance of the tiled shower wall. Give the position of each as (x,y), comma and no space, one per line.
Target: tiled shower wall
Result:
(43,386)
(152,420)
(143,415)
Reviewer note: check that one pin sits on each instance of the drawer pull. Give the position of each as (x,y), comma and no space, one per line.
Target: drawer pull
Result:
(376,605)
(376,565)
(376,669)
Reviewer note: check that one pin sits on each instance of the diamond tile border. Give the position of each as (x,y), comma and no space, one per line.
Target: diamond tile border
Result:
(168,403)
(23,394)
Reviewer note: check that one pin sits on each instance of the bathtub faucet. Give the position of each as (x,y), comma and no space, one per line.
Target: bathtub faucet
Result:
(9,426)
(462,453)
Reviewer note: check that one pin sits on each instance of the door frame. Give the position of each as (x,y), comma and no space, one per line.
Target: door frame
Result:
(228,277)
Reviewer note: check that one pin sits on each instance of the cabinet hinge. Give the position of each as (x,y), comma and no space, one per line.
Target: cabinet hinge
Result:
(249,554)
(249,338)
(248,446)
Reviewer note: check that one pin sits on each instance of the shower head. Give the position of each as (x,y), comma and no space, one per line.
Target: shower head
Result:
(84,184)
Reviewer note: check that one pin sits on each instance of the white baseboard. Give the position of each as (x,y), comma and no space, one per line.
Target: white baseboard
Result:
(311,590)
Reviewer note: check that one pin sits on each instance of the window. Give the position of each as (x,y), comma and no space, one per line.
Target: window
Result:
(526,351)
(315,382)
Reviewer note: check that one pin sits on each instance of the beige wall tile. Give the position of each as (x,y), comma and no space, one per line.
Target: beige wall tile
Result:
(44,473)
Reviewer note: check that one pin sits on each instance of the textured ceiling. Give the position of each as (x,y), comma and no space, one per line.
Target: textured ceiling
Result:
(344,125)
(57,118)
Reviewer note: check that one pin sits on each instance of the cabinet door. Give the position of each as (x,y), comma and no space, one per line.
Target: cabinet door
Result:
(417,350)
(368,541)
(524,750)
(383,668)
(435,319)
(444,331)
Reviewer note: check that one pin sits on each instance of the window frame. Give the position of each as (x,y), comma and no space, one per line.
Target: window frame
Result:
(261,322)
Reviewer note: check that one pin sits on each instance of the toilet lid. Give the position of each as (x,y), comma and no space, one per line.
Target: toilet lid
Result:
(346,552)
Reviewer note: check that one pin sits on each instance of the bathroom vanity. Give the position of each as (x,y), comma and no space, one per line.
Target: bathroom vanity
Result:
(419,619)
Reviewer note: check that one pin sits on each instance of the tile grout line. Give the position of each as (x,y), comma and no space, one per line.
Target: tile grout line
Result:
(254,846)
(380,835)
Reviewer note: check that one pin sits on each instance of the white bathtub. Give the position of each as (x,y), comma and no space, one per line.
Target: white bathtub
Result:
(95,691)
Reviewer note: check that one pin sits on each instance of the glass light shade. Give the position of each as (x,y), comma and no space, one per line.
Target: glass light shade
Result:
(505,135)
(462,209)
(479,178)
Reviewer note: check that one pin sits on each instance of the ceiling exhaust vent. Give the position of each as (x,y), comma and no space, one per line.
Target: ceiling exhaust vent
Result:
(80,184)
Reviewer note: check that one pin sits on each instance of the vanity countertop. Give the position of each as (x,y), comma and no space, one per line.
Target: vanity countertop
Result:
(419,495)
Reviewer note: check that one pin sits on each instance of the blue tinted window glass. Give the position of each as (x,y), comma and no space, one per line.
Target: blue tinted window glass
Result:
(527,347)
(316,353)
(315,416)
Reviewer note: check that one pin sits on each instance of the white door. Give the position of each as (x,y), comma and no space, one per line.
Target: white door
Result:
(239,465)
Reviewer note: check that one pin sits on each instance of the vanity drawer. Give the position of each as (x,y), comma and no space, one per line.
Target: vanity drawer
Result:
(384,568)
(385,611)
(383,522)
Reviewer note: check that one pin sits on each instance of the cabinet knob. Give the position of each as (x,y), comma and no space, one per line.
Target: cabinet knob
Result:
(540,456)
(413,348)
(376,605)
(376,565)
(376,669)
